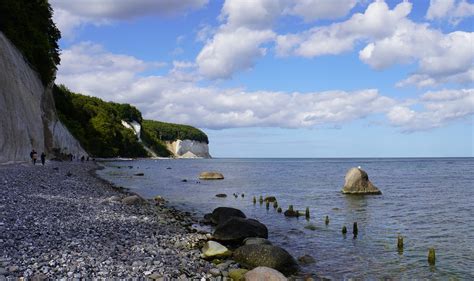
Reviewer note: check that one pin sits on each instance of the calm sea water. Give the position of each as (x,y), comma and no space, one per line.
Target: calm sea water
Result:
(429,201)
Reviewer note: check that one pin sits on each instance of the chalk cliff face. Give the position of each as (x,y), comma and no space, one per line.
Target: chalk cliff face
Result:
(189,149)
(27,112)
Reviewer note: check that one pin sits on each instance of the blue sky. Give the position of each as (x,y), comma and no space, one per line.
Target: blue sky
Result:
(284,78)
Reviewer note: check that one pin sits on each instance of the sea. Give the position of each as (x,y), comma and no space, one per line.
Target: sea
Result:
(427,201)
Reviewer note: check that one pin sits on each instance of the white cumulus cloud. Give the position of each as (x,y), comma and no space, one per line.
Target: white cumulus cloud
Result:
(378,21)
(439,108)
(232,50)
(70,14)
(311,10)
(237,44)
(452,10)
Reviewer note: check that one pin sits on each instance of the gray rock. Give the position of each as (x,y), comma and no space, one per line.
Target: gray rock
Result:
(357,182)
(133,200)
(264,273)
(215,272)
(237,229)
(222,214)
(256,241)
(252,256)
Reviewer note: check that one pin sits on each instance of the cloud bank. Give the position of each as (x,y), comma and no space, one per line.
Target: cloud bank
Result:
(176,97)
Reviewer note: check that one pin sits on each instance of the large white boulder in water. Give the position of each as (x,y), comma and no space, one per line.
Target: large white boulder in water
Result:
(357,182)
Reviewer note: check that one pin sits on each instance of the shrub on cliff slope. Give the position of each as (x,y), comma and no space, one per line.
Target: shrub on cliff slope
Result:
(98,124)
(29,25)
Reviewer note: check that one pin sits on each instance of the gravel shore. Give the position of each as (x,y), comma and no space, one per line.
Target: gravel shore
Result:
(60,221)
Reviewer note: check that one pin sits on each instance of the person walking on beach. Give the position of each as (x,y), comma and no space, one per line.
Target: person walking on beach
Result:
(43,158)
(33,156)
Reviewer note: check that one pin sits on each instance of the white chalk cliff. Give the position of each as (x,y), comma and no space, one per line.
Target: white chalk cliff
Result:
(137,128)
(188,149)
(27,112)
(179,148)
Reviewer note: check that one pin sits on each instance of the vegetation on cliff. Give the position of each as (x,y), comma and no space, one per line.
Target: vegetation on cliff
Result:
(29,25)
(170,132)
(97,125)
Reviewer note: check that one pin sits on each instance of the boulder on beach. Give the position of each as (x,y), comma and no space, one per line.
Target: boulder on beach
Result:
(264,273)
(213,249)
(252,256)
(133,200)
(236,229)
(211,176)
(222,214)
(357,182)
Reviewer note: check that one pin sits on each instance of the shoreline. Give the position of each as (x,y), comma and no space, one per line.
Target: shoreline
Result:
(62,220)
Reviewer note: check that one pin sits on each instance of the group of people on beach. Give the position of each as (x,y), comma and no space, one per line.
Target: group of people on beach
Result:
(34,157)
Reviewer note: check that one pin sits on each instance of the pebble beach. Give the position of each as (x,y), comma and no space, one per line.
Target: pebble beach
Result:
(61,221)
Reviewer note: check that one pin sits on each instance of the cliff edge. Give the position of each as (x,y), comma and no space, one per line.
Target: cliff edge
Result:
(27,111)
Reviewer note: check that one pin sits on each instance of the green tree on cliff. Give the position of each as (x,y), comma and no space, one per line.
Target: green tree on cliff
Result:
(29,25)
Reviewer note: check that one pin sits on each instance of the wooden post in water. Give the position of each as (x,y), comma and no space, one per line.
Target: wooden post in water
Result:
(267,205)
(344,230)
(431,256)
(307,213)
(355,229)
(254,200)
(275,204)
(326,221)
(290,207)
(400,243)
(279,210)
(260,200)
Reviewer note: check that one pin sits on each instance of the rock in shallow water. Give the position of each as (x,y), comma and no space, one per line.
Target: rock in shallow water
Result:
(252,256)
(357,182)
(221,214)
(237,229)
(211,176)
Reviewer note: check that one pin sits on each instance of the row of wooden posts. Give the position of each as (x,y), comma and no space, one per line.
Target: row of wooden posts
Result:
(355,229)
